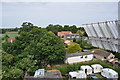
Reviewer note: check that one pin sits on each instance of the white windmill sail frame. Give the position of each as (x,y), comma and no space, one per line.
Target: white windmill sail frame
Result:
(87,31)
(104,29)
(113,29)
(98,30)
(105,35)
(92,30)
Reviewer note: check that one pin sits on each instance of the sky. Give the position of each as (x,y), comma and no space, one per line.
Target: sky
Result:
(64,13)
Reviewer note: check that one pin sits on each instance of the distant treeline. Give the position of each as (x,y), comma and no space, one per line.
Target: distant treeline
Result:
(54,28)
(8,30)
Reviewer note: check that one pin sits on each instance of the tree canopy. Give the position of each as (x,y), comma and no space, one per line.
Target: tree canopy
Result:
(33,48)
(73,48)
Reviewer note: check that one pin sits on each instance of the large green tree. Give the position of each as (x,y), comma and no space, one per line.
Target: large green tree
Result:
(46,47)
(73,48)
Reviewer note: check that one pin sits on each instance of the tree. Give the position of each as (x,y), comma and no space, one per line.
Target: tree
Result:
(54,28)
(73,29)
(14,67)
(66,28)
(80,33)
(26,27)
(45,47)
(5,37)
(73,47)
(3,31)
(84,44)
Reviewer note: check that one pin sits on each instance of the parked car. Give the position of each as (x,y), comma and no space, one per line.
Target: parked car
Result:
(93,77)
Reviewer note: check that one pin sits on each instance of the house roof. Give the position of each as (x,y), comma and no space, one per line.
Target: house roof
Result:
(63,32)
(79,54)
(11,39)
(101,52)
(53,74)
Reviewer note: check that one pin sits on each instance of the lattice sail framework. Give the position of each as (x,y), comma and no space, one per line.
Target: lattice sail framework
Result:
(105,35)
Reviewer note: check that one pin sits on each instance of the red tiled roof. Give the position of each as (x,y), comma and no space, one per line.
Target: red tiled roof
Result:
(63,32)
(11,39)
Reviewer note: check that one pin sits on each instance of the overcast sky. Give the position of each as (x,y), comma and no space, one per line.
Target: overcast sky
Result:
(45,13)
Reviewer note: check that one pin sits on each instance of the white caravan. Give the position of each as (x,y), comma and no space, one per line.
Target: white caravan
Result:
(109,73)
(77,74)
(87,69)
(97,68)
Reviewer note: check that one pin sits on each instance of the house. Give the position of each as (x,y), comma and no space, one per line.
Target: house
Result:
(113,60)
(11,39)
(43,74)
(72,36)
(78,57)
(77,74)
(109,73)
(87,69)
(102,55)
(63,32)
(97,68)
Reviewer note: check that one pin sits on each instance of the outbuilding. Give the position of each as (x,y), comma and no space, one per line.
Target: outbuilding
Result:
(102,55)
(109,73)
(77,74)
(97,68)
(87,69)
(41,74)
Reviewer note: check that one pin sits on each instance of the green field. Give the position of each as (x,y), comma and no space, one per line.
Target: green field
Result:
(10,34)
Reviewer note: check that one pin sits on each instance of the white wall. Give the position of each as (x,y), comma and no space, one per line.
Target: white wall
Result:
(77,59)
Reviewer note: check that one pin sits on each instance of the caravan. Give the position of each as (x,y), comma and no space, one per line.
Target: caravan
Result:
(97,68)
(87,69)
(109,73)
(77,74)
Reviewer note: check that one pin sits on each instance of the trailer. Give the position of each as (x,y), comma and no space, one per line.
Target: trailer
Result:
(97,68)
(77,75)
(87,69)
(109,73)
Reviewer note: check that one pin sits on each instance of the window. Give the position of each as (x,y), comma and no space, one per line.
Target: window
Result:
(104,57)
(85,56)
(68,37)
(74,77)
(77,36)
(81,56)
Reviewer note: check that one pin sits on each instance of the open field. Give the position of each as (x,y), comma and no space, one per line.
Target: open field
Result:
(10,34)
